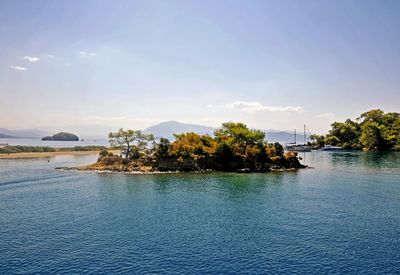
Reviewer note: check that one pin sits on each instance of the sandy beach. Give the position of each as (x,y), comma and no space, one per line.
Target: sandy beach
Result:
(46,154)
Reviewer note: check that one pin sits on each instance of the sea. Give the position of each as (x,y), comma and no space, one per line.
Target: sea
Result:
(342,216)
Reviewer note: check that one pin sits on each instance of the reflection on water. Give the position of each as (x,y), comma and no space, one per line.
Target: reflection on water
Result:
(375,160)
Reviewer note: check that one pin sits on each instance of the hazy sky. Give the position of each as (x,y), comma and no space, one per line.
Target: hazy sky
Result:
(92,66)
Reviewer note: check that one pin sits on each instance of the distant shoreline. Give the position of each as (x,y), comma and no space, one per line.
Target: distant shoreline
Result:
(46,154)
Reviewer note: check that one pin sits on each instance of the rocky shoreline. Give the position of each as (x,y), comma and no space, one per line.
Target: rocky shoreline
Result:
(156,172)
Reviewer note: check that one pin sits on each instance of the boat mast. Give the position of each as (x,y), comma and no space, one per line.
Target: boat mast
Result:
(304,134)
(295,136)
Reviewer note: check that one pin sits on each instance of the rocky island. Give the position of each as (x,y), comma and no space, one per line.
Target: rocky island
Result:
(233,148)
(62,136)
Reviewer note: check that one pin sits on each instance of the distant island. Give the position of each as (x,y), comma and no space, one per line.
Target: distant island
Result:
(234,148)
(374,130)
(62,136)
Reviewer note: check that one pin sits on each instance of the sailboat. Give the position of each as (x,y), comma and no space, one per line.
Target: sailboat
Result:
(294,147)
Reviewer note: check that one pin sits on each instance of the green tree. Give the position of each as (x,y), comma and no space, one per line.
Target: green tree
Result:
(318,139)
(346,132)
(380,131)
(373,130)
(224,155)
(279,149)
(192,145)
(376,115)
(239,136)
(371,137)
(331,140)
(163,148)
(391,131)
(130,141)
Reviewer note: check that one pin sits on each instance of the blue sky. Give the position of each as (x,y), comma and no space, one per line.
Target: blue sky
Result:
(95,66)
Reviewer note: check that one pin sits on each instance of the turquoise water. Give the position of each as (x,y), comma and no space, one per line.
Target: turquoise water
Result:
(341,217)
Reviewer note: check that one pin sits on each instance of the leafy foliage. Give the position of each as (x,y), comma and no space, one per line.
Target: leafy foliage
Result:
(25,149)
(193,145)
(134,143)
(239,136)
(163,147)
(233,147)
(373,130)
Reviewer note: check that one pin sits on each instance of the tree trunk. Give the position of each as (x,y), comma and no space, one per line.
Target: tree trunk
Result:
(128,148)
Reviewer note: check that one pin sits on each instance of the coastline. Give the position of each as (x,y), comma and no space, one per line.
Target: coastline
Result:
(46,154)
(85,169)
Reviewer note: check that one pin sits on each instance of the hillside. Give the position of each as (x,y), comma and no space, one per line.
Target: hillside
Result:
(169,128)
(6,136)
(27,133)
(283,136)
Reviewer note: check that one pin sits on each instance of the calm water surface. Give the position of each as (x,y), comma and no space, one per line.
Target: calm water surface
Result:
(341,217)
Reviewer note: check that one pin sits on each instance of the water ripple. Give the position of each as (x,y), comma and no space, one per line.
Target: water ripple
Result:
(330,219)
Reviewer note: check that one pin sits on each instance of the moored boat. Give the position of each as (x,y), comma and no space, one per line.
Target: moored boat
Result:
(294,147)
(298,148)
(331,148)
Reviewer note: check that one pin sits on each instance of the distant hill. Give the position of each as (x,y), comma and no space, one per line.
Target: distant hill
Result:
(62,136)
(283,136)
(169,128)
(6,136)
(28,133)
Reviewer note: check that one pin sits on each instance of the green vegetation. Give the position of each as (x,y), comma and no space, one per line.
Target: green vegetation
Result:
(83,148)
(134,143)
(62,136)
(234,147)
(372,131)
(25,149)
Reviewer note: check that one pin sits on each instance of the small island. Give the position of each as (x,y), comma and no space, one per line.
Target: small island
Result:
(62,136)
(233,148)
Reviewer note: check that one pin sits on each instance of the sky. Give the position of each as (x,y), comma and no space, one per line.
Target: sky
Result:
(95,66)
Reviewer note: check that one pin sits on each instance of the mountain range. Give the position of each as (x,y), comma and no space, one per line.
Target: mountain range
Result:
(6,136)
(26,133)
(169,128)
(165,129)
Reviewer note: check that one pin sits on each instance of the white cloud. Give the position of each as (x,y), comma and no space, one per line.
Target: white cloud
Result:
(251,107)
(31,58)
(84,54)
(328,115)
(18,68)
(210,106)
